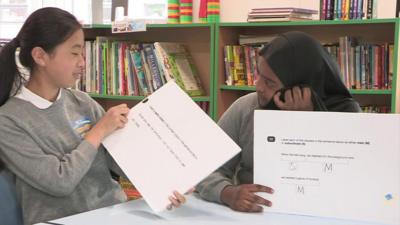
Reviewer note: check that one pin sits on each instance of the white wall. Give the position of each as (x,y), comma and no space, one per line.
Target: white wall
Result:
(386,8)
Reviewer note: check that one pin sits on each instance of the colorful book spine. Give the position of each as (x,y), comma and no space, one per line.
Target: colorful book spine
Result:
(239,69)
(254,60)
(130,75)
(351,10)
(373,67)
(88,62)
(116,69)
(390,63)
(153,65)
(103,70)
(139,69)
(346,9)
(368,67)
(360,9)
(339,9)
(228,64)
(163,62)
(352,65)
(365,9)
(122,76)
(330,9)
(369,9)
(323,10)
(363,69)
(377,67)
(358,66)
(109,66)
(247,59)
(149,77)
(163,72)
(99,68)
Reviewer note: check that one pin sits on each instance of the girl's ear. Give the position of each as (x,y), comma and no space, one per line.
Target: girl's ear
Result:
(39,56)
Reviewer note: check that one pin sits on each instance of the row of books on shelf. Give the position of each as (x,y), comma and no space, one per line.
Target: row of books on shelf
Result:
(362,65)
(115,67)
(241,64)
(348,9)
(375,109)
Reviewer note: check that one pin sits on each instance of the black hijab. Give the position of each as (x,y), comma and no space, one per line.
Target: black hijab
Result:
(300,60)
(1,165)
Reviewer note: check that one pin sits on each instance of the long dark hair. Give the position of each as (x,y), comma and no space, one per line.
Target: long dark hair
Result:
(45,28)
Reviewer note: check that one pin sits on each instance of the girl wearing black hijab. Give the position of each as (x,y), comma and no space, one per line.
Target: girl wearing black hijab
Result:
(299,62)
(295,73)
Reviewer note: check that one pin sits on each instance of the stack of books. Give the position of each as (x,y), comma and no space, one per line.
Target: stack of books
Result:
(280,14)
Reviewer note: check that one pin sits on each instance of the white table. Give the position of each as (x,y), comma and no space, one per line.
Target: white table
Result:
(195,211)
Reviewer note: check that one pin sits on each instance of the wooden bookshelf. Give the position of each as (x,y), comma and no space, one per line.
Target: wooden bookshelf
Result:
(198,38)
(374,31)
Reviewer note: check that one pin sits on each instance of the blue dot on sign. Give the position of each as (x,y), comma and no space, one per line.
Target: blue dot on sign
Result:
(388,197)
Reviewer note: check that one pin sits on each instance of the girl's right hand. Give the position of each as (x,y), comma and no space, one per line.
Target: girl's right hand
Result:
(115,118)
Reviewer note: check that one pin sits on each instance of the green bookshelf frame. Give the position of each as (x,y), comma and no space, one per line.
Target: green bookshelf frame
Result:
(217,88)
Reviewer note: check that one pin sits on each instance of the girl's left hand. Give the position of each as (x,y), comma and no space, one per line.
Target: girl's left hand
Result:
(177,199)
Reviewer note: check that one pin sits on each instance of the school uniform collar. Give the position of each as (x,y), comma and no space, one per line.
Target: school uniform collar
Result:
(36,100)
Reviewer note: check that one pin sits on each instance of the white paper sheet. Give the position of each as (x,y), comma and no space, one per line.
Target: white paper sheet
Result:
(342,165)
(169,144)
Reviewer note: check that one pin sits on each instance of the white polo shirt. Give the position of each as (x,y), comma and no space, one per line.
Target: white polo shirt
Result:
(36,100)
